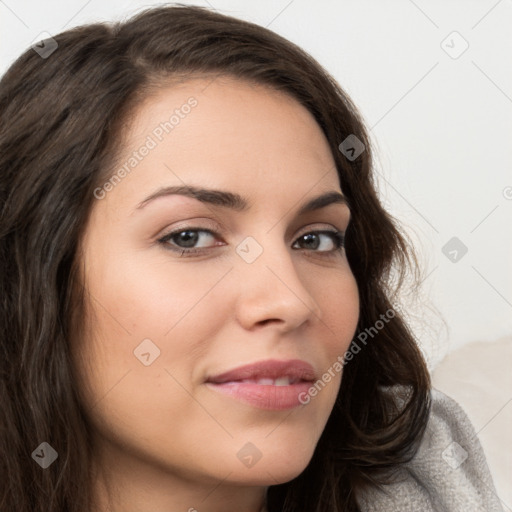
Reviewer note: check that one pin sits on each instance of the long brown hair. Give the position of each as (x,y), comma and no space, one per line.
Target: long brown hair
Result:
(62,121)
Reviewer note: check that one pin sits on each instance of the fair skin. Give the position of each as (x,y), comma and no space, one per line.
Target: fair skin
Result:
(163,439)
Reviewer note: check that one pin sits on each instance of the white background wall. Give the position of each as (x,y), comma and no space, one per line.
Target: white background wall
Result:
(442,127)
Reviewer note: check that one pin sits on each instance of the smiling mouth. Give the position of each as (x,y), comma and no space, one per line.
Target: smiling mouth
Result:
(271,385)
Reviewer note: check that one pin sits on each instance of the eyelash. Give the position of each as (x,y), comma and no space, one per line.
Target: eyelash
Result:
(337,236)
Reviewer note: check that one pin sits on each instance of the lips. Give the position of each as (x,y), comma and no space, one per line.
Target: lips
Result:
(270,372)
(271,384)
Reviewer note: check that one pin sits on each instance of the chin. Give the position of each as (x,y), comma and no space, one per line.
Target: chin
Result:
(275,467)
(267,475)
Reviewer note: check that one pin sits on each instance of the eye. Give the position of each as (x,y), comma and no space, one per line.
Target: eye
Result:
(185,240)
(322,241)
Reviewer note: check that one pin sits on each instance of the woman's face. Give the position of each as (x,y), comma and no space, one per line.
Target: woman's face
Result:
(267,285)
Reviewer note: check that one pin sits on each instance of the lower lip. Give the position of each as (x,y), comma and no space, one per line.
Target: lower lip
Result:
(275,398)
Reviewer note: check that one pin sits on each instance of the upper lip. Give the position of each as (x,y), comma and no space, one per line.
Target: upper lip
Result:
(270,369)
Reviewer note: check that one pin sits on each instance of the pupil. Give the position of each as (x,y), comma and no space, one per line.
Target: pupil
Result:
(311,237)
(190,238)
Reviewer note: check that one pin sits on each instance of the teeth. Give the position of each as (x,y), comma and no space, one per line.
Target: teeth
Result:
(265,382)
(282,381)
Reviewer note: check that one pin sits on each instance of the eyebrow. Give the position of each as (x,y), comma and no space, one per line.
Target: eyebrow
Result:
(235,201)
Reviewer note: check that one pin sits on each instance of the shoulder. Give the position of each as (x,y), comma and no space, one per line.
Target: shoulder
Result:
(449,472)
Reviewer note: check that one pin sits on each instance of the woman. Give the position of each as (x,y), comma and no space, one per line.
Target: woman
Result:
(197,310)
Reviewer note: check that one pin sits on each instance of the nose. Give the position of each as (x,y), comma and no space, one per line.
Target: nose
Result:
(273,292)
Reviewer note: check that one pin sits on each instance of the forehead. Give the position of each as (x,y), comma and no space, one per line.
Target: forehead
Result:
(229,134)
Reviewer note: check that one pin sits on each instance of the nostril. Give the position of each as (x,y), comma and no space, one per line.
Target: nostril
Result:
(265,322)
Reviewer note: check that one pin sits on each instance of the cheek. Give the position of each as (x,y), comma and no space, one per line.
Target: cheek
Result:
(345,311)
(340,307)
(337,295)
(142,309)
(140,297)
(146,311)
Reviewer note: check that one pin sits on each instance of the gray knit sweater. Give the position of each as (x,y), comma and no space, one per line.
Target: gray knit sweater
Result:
(449,473)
